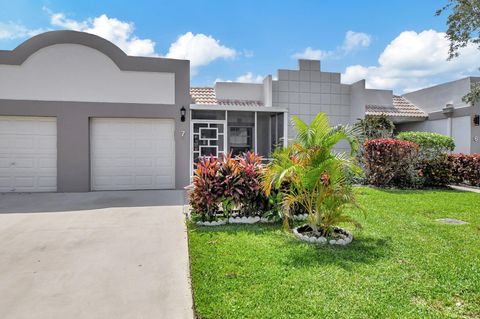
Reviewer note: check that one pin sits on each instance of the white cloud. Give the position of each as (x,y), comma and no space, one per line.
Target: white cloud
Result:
(352,42)
(60,20)
(118,32)
(200,49)
(249,78)
(415,60)
(312,54)
(355,40)
(12,30)
(247,53)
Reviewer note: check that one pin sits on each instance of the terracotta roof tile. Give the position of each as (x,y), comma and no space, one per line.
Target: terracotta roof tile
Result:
(207,96)
(401,107)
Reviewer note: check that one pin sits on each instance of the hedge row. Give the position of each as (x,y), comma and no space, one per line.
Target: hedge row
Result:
(465,168)
(390,162)
(394,162)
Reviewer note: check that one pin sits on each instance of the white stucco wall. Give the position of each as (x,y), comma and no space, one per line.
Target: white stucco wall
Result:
(461,133)
(72,72)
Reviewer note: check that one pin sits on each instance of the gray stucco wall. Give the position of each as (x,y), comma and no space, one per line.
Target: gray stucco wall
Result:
(433,99)
(73,118)
(308,91)
(459,126)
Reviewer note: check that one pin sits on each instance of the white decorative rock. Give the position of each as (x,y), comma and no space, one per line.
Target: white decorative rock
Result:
(213,223)
(332,242)
(341,242)
(322,240)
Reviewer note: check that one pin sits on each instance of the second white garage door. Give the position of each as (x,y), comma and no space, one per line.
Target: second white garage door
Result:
(129,153)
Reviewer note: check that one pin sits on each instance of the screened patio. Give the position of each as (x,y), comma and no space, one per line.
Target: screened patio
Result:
(236,130)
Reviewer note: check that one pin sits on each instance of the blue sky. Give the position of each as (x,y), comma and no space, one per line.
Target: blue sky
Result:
(393,44)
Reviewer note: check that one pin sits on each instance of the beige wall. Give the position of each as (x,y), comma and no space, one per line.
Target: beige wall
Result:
(72,72)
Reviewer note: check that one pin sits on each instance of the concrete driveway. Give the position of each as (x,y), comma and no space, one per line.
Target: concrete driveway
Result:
(94,255)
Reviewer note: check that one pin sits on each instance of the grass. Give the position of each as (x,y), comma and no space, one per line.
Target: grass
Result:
(403,264)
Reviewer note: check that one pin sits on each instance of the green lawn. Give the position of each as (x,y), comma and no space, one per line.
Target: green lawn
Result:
(403,264)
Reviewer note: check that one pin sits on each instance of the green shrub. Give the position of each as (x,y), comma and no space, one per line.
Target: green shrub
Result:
(436,172)
(431,145)
(390,162)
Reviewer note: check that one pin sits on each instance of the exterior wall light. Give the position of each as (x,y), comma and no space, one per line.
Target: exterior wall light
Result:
(183,112)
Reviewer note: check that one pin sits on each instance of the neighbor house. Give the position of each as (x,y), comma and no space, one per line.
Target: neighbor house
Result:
(258,116)
(77,114)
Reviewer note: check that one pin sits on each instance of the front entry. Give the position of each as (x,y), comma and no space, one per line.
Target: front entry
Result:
(208,138)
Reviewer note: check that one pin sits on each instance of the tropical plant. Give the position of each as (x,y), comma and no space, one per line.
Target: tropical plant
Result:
(391,162)
(206,192)
(227,185)
(378,126)
(310,174)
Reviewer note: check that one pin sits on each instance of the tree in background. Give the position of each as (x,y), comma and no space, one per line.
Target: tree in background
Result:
(378,126)
(463,28)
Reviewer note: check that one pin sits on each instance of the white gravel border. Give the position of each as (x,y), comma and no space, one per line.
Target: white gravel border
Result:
(323,240)
(247,220)
(214,223)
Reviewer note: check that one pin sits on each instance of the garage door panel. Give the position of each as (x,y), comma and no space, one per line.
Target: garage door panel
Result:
(28,154)
(132,154)
(47,181)
(5,162)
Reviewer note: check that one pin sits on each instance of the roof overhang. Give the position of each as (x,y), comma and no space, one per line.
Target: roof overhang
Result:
(216,107)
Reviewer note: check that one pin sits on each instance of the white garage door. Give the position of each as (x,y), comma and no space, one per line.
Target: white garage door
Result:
(28,154)
(132,153)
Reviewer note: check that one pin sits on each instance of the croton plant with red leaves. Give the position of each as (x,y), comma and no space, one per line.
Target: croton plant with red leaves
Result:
(466,168)
(228,183)
(390,162)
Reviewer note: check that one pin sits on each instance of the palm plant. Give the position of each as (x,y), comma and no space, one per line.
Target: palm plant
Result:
(310,174)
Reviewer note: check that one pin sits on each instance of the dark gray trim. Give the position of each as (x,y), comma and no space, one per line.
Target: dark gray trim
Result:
(462,111)
(73,134)
(73,118)
(125,62)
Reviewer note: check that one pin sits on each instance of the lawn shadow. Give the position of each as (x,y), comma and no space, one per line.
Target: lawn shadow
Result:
(255,229)
(363,250)
(410,191)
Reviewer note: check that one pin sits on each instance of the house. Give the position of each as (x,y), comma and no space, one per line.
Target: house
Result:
(448,114)
(258,116)
(77,114)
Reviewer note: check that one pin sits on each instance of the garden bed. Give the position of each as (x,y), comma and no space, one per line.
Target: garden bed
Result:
(339,236)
